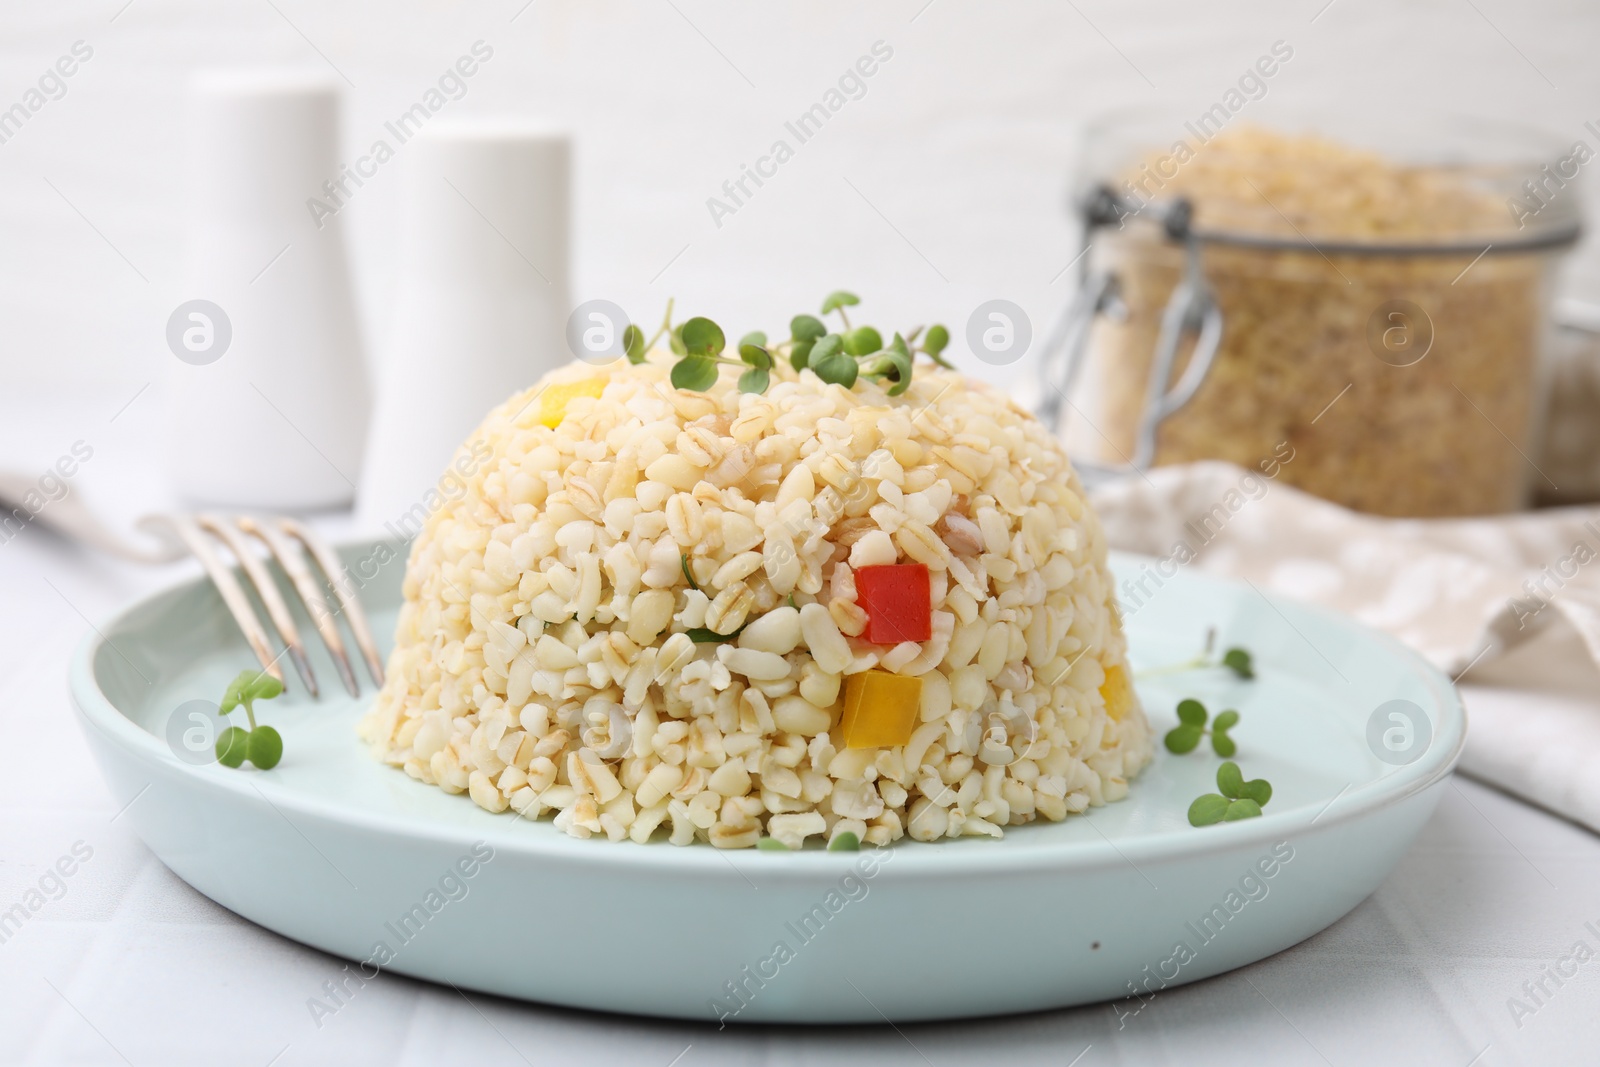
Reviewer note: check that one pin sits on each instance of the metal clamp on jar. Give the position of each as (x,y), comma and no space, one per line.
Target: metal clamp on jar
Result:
(1190,311)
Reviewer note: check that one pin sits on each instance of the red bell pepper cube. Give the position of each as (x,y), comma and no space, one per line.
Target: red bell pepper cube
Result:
(897,598)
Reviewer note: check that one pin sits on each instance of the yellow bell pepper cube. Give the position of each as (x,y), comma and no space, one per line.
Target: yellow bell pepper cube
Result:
(555,398)
(880,709)
(1116,692)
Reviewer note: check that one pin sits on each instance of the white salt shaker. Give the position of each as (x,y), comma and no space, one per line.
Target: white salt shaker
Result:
(268,389)
(480,307)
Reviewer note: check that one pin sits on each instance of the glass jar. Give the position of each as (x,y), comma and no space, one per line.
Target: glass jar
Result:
(1368,326)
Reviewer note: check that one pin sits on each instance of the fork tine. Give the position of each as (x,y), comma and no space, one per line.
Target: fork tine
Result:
(228,588)
(310,590)
(340,580)
(267,589)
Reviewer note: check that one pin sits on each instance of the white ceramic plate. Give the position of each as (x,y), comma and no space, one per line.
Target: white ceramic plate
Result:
(337,851)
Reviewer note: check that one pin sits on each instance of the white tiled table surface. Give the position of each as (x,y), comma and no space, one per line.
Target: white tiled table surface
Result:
(133,966)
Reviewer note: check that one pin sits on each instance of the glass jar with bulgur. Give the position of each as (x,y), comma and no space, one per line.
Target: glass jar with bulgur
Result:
(1383,316)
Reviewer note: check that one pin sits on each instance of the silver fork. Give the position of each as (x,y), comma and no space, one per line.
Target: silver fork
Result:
(288,541)
(279,535)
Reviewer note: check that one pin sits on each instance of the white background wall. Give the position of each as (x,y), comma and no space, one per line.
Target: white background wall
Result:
(964,141)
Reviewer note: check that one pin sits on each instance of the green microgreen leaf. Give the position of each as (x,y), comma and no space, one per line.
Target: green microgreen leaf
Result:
(827,346)
(702,337)
(863,341)
(1242,809)
(771,844)
(800,355)
(633,343)
(1230,780)
(234,695)
(830,362)
(754,337)
(1238,661)
(845,841)
(1207,809)
(683,561)
(806,328)
(934,343)
(1258,790)
(233,746)
(248,687)
(893,363)
(1192,713)
(695,373)
(265,747)
(1183,739)
(675,341)
(755,380)
(264,687)
(700,635)
(1220,741)
(838,299)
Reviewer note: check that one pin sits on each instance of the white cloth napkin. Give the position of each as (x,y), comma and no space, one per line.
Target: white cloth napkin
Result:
(1468,594)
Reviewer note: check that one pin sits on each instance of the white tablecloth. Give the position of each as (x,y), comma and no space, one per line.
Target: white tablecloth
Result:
(132,966)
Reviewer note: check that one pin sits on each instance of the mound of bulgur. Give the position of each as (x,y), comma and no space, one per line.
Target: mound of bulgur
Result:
(543,658)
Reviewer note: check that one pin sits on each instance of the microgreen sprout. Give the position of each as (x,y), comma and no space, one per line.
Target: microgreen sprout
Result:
(703,342)
(1236,659)
(1192,716)
(830,362)
(771,844)
(261,745)
(838,300)
(839,358)
(1237,799)
(634,344)
(683,561)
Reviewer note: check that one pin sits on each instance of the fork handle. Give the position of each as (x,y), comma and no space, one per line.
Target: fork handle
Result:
(69,517)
